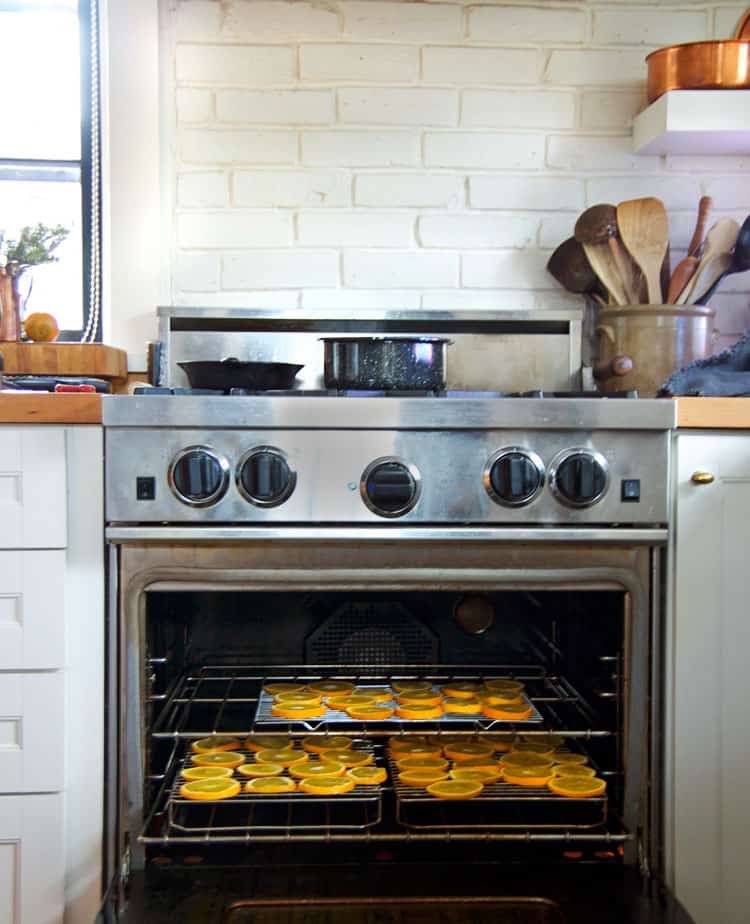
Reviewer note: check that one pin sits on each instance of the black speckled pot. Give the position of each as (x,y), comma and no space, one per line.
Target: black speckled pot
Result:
(385,363)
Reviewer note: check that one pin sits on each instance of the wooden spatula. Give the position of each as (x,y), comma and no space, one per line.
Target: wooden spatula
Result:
(596,231)
(644,230)
(719,240)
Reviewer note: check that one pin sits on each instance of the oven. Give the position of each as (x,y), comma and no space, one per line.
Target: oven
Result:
(377,542)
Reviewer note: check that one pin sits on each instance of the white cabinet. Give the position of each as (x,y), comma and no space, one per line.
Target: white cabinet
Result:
(51,673)
(31,859)
(709,754)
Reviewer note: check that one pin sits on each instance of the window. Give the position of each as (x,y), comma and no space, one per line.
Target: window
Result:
(49,152)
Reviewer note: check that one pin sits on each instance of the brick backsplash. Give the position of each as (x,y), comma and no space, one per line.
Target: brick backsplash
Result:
(354,154)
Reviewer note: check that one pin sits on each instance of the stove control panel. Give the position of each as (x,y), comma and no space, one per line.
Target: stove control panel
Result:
(481,476)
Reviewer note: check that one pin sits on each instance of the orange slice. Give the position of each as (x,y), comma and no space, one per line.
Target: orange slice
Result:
(318,744)
(463,706)
(477,774)
(285,757)
(534,747)
(327,785)
(573,770)
(500,742)
(486,764)
(297,713)
(367,776)
(422,763)
(273,689)
(270,785)
(218,759)
(461,689)
(382,694)
(455,789)
(215,743)
(415,747)
(503,685)
(524,759)
(554,741)
(470,749)
(538,775)
(512,712)
(349,758)
(299,699)
(428,697)
(206,773)
(344,703)
(330,687)
(569,760)
(577,787)
(377,713)
(306,769)
(264,742)
(441,741)
(210,790)
(409,686)
(421,777)
(260,770)
(420,711)
(500,699)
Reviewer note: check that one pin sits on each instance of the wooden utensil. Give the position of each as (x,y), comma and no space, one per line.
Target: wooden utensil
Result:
(704,210)
(719,240)
(644,229)
(740,262)
(571,268)
(681,276)
(596,230)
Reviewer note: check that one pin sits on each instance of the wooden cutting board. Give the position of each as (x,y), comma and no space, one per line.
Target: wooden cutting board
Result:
(89,359)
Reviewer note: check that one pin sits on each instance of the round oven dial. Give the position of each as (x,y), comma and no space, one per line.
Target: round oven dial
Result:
(198,476)
(264,477)
(514,476)
(390,487)
(579,477)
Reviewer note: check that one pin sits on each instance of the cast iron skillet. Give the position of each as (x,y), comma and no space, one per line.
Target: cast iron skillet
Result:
(221,375)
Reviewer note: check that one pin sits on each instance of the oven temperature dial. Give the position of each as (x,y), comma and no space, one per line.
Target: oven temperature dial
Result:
(390,487)
(579,477)
(264,477)
(198,476)
(514,476)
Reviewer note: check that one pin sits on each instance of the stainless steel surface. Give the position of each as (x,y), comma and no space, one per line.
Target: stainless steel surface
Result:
(596,457)
(221,488)
(620,536)
(331,465)
(501,454)
(491,350)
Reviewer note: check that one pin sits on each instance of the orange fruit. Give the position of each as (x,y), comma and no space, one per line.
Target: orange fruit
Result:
(218,759)
(475,773)
(534,775)
(503,685)
(455,789)
(298,712)
(422,763)
(500,699)
(210,790)
(331,687)
(500,742)
(344,703)
(327,785)
(273,689)
(256,770)
(465,751)
(524,759)
(419,711)
(461,689)
(299,699)
(270,785)
(428,697)
(285,757)
(577,787)
(215,743)
(41,327)
(486,764)
(349,758)
(534,747)
(318,744)
(206,773)
(370,713)
(569,760)
(414,744)
(422,777)
(266,742)
(462,706)
(573,770)
(409,686)
(511,712)
(304,769)
(367,776)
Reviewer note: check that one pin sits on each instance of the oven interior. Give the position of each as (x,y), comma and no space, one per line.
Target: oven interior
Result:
(208,654)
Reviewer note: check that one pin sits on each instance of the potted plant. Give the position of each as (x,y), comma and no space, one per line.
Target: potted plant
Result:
(34,246)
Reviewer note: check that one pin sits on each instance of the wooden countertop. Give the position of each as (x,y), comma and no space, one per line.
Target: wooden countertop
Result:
(713,413)
(17,407)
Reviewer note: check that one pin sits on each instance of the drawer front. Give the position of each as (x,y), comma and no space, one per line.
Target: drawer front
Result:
(31,860)
(33,506)
(31,732)
(32,609)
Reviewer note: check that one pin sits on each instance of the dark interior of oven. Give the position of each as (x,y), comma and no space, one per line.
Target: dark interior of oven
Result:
(210,652)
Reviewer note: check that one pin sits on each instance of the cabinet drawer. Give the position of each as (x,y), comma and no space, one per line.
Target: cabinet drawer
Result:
(32,609)
(31,860)
(31,732)
(32,488)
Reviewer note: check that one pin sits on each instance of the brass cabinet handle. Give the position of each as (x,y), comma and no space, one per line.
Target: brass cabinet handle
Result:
(701,477)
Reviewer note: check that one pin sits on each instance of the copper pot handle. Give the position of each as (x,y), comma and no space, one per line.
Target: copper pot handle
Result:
(615,368)
(742,33)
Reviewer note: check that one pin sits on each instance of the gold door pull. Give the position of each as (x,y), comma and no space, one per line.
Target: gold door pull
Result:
(701,477)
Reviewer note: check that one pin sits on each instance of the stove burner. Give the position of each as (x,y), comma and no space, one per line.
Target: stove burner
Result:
(333,393)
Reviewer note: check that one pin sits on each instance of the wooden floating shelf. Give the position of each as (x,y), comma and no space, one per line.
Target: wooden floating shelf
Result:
(695,122)
(79,359)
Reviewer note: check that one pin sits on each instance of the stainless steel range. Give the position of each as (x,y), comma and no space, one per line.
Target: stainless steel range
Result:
(374,540)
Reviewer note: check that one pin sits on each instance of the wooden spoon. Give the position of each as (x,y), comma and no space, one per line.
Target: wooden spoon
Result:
(704,210)
(683,273)
(571,268)
(644,229)
(596,230)
(740,263)
(719,240)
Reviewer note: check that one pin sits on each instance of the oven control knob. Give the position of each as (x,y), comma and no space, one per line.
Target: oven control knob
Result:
(264,477)
(579,477)
(390,487)
(198,476)
(514,476)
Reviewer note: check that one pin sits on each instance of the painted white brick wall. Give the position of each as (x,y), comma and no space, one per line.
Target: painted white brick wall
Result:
(354,154)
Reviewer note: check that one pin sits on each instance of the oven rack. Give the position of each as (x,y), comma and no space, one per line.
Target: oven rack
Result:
(223,699)
(500,806)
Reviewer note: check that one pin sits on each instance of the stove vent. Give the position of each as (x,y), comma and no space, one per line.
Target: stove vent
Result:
(372,633)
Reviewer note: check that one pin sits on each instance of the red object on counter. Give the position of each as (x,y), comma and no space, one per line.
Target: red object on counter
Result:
(74,389)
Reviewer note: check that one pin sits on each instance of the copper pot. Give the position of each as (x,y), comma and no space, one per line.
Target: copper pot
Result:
(640,346)
(719,65)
